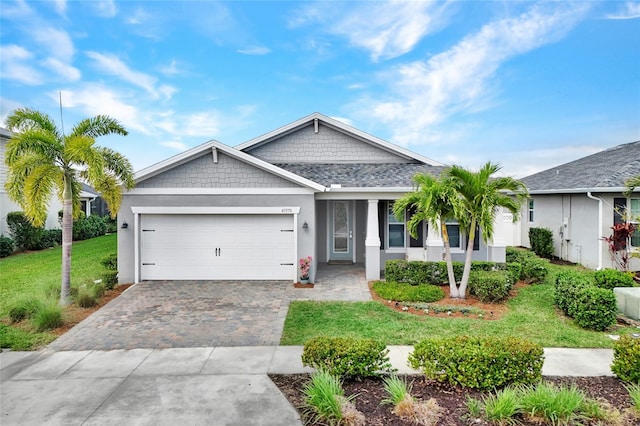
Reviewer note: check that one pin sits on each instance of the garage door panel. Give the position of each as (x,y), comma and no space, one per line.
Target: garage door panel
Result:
(217,247)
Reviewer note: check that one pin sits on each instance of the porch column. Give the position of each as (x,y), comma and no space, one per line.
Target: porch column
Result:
(372,242)
(435,245)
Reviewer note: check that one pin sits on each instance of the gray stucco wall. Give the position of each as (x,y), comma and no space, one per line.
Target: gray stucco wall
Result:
(202,172)
(306,239)
(327,146)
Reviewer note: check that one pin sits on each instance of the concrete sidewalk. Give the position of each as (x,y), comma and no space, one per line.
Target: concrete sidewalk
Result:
(208,386)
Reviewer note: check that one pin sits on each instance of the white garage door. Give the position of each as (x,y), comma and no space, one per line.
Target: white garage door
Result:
(217,247)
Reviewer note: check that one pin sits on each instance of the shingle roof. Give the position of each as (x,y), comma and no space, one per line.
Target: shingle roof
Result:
(362,175)
(610,168)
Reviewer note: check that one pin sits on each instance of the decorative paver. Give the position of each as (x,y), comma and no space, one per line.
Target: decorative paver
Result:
(186,314)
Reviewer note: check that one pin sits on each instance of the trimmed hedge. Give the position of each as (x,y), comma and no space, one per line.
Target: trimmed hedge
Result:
(89,227)
(534,269)
(541,240)
(25,235)
(477,362)
(110,262)
(403,292)
(489,286)
(591,307)
(347,357)
(416,272)
(626,359)
(6,246)
(611,278)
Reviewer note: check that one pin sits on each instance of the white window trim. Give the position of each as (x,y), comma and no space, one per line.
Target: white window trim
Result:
(389,249)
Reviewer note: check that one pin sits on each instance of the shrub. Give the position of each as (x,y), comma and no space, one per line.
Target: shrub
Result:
(553,405)
(626,359)
(480,363)
(593,308)
(419,272)
(109,279)
(86,297)
(515,270)
(541,240)
(6,246)
(611,278)
(324,399)
(402,292)
(489,286)
(567,283)
(51,238)
(25,308)
(517,255)
(111,225)
(25,235)
(534,269)
(110,262)
(49,317)
(343,356)
(503,406)
(88,227)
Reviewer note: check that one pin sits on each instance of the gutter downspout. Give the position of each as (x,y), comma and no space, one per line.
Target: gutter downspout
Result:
(599,200)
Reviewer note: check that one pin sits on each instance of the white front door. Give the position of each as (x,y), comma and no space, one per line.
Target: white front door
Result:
(216,247)
(341,231)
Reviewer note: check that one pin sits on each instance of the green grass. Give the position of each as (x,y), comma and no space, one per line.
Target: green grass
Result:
(35,274)
(531,315)
(402,292)
(323,397)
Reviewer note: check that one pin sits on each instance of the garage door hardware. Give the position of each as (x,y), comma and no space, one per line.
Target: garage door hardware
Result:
(218,250)
(148,230)
(286,230)
(148,264)
(286,264)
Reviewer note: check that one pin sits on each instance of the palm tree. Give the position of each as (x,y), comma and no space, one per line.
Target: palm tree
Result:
(481,195)
(434,201)
(41,158)
(632,184)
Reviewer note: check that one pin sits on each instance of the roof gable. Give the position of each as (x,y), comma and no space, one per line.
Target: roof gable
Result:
(605,171)
(322,140)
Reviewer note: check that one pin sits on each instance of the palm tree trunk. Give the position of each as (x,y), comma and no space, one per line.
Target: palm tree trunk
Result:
(67,237)
(467,261)
(453,287)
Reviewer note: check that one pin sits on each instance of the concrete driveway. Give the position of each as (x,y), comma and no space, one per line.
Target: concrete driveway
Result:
(188,314)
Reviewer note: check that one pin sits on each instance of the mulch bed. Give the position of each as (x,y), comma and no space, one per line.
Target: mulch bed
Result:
(370,392)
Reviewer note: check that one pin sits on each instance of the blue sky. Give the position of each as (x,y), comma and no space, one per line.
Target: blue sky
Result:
(527,84)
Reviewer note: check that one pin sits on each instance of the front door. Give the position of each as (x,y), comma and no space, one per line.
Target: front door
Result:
(341,229)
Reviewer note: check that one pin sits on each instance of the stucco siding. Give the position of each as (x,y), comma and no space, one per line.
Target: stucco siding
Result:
(203,172)
(306,240)
(328,146)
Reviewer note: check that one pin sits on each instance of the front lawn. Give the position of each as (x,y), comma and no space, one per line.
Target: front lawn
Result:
(531,315)
(34,273)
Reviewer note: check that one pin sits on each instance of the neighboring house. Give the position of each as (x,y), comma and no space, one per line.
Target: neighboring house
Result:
(581,200)
(316,187)
(88,196)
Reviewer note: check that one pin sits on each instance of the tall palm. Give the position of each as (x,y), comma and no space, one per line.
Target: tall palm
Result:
(434,200)
(631,184)
(481,195)
(41,159)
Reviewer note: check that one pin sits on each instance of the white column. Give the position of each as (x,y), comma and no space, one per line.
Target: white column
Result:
(435,245)
(372,242)
(496,247)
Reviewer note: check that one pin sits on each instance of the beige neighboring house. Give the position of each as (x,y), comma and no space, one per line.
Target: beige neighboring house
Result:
(87,196)
(580,202)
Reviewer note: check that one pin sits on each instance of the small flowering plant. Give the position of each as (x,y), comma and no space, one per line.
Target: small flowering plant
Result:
(305,265)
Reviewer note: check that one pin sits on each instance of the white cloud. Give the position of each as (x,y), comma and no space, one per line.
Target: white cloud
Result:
(343,120)
(255,50)
(171,69)
(112,65)
(460,80)
(60,6)
(178,146)
(14,65)
(206,124)
(631,10)
(105,8)
(7,106)
(138,17)
(58,43)
(69,72)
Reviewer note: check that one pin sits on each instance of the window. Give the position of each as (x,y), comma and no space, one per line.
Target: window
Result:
(530,210)
(457,240)
(396,229)
(634,216)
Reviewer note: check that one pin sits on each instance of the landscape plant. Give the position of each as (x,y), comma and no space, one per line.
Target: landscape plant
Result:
(541,240)
(501,408)
(405,406)
(634,394)
(401,292)
(612,278)
(489,286)
(25,307)
(626,359)
(48,317)
(482,195)
(553,405)
(617,244)
(42,160)
(6,246)
(325,402)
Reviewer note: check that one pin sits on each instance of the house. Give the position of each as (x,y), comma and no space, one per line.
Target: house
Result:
(581,200)
(88,197)
(315,187)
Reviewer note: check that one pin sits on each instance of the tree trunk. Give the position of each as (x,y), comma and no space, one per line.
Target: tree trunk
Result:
(67,237)
(453,287)
(467,261)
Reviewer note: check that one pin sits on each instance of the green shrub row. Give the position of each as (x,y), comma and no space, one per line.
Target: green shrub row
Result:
(490,286)
(626,359)
(541,240)
(533,269)
(416,272)
(45,314)
(347,357)
(612,278)
(89,227)
(591,307)
(403,292)
(477,362)
(6,246)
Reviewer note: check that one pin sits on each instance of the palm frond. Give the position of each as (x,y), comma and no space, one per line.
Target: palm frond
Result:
(632,184)
(118,165)
(24,119)
(33,141)
(38,188)
(100,125)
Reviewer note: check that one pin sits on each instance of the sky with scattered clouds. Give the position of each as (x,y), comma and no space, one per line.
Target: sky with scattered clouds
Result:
(527,84)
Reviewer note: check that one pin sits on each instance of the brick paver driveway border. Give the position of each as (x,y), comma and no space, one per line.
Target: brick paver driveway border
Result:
(183,314)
